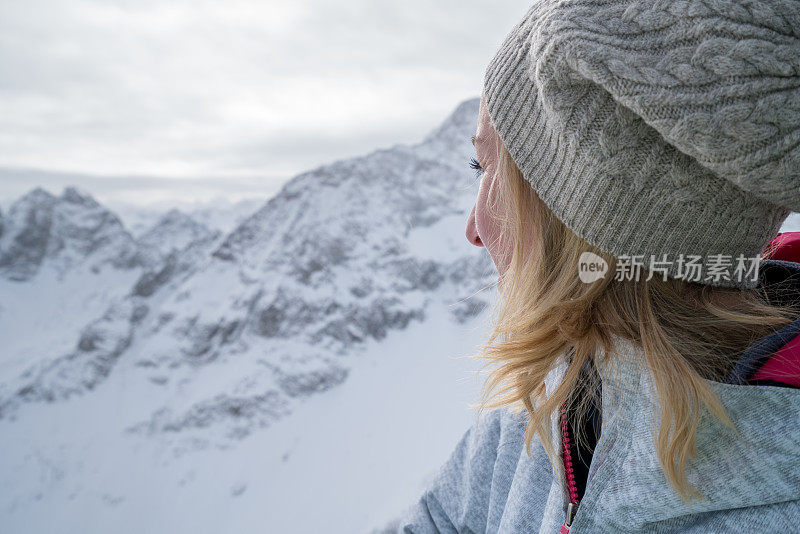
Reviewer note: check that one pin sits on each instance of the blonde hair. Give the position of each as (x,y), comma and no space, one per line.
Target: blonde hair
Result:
(689,332)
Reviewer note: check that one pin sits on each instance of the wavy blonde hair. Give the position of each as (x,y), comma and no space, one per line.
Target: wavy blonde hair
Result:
(689,332)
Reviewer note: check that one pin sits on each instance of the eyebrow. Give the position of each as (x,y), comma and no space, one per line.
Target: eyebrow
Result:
(473,140)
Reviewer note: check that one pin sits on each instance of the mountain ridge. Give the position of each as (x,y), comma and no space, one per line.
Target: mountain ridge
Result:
(287,270)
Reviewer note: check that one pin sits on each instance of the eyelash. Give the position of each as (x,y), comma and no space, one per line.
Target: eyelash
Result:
(474,164)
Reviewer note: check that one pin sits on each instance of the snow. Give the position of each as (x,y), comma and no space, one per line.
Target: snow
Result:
(346,461)
(792,223)
(40,320)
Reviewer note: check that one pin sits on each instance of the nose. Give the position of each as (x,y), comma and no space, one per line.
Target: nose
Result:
(472,230)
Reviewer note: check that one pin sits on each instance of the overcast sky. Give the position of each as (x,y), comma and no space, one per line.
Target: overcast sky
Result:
(191,98)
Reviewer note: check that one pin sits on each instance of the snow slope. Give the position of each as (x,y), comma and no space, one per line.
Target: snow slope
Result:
(345,461)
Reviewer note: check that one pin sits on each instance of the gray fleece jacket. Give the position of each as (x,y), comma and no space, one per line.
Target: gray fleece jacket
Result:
(491,485)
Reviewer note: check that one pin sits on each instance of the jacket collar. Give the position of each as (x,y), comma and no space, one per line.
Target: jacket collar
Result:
(625,477)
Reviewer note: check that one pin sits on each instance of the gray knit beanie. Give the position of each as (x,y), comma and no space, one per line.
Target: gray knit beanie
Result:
(656,128)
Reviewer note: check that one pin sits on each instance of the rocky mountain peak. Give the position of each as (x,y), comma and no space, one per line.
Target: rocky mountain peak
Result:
(73,195)
(62,232)
(174,231)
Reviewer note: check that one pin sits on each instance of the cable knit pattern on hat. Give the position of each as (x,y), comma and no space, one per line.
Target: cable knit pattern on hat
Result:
(656,127)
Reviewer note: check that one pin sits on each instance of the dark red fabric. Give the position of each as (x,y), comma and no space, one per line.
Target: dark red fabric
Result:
(785,246)
(783,366)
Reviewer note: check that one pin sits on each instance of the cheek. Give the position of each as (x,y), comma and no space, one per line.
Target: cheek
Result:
(487,226)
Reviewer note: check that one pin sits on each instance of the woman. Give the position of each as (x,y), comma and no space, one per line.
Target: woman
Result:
(637,160)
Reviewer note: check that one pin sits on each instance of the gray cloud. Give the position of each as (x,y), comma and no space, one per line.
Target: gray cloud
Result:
(242,88)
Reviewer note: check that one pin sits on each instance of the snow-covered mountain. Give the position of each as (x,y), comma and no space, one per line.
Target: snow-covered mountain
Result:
(222,214)
(146,369)
(61,233)
(217,214)
(174,231)
(63,260)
